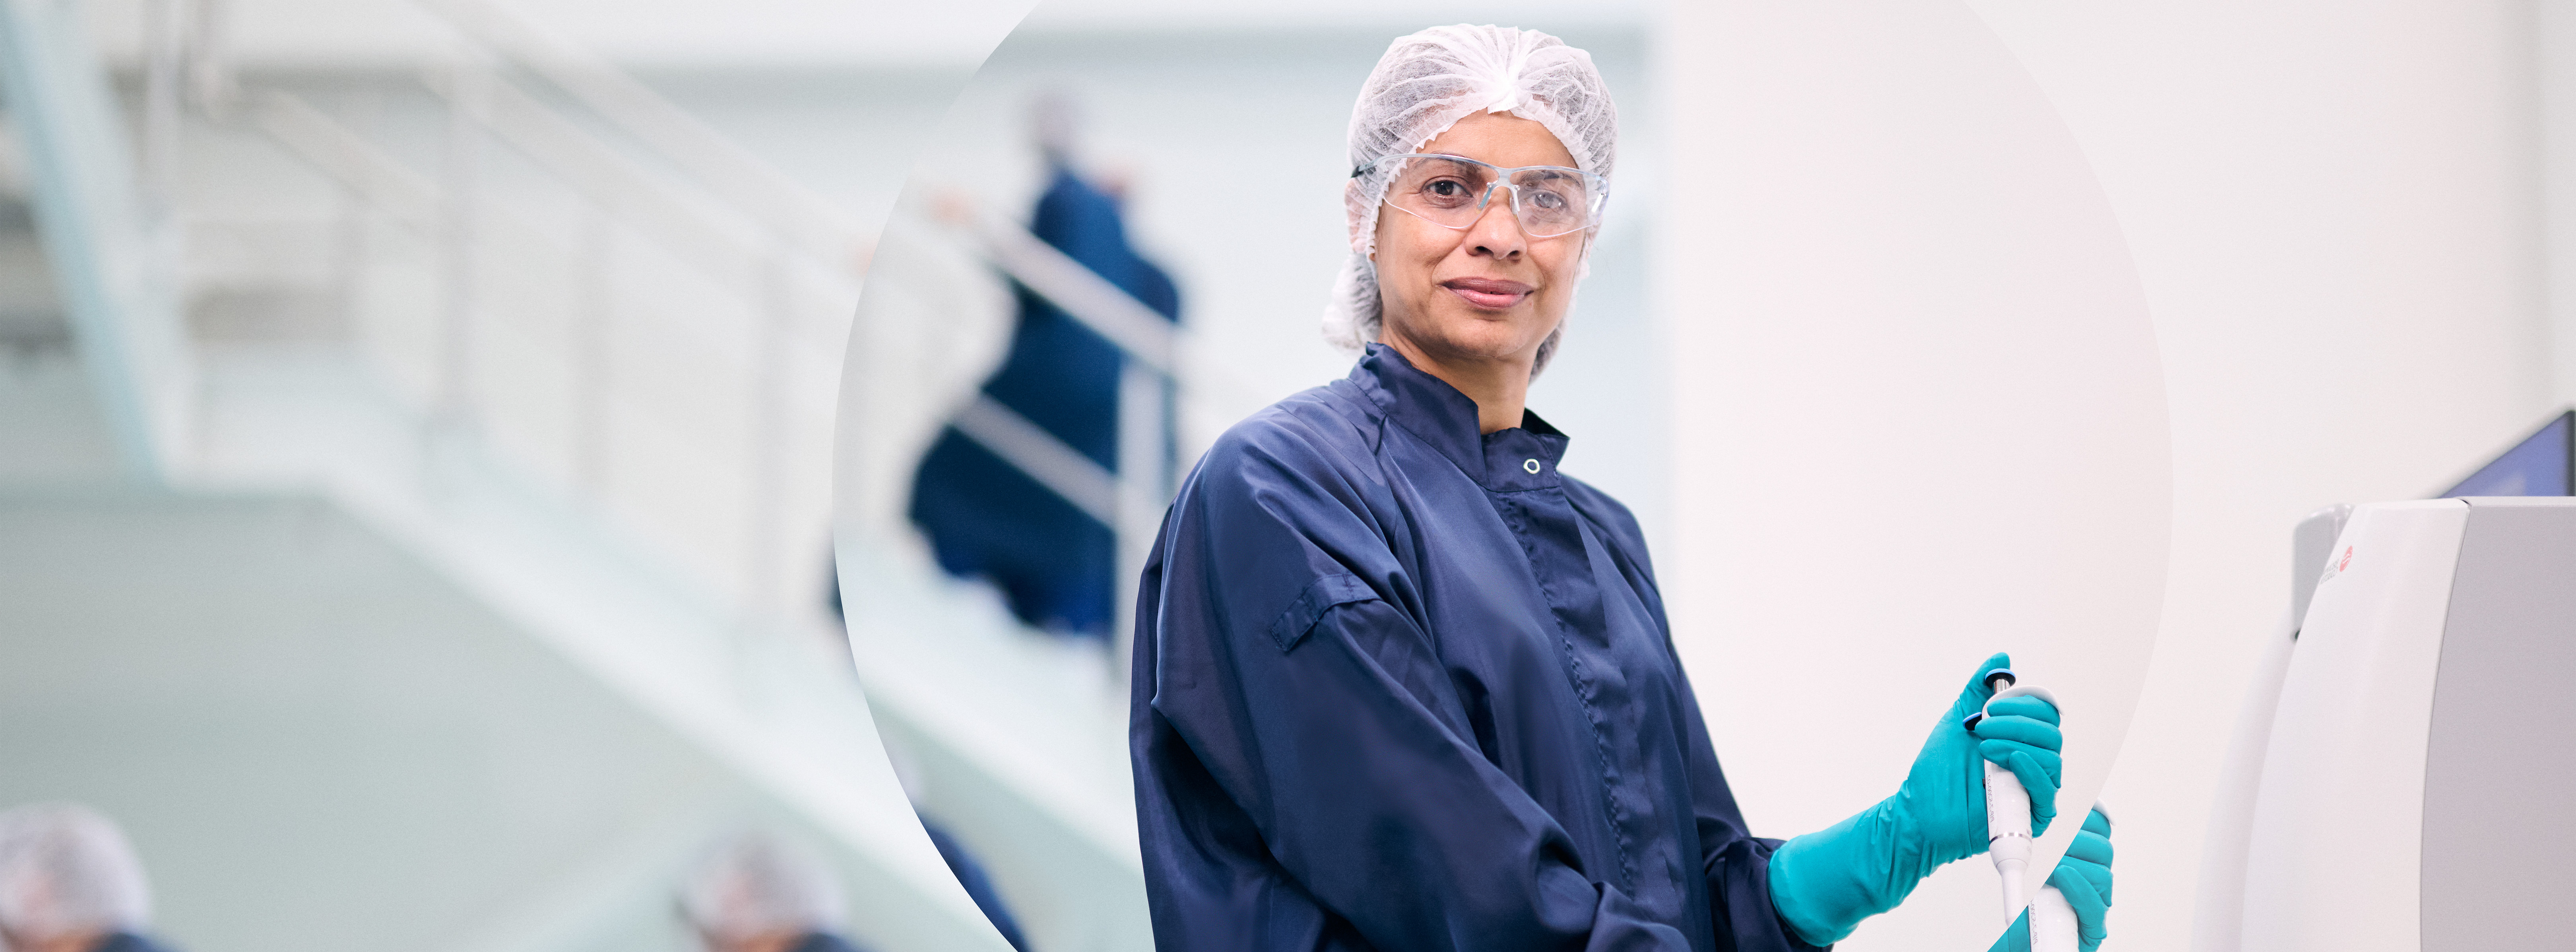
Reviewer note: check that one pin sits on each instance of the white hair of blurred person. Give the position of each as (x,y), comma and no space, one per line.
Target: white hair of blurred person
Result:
(68,879)
(1055,121)
(758,893)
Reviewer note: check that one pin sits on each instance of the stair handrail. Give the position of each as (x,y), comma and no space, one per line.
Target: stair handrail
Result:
(1162,345)
(111,265)
(806,221)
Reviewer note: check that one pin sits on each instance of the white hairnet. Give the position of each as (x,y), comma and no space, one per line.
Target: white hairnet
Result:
(66,869)
(1424,84)
(756,884)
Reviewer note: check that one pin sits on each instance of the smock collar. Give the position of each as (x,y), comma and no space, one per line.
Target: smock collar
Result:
(1521,458)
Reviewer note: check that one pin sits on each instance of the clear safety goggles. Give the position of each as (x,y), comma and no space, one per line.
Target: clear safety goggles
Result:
(1451,191)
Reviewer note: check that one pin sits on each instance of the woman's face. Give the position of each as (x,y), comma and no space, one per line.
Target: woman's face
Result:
(1487,293)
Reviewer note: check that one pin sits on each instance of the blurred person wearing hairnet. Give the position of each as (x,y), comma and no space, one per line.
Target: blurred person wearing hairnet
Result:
(1400,684)
(69,882)
(757,893)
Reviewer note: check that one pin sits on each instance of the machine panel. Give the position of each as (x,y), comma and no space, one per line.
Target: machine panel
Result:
(2332,862)
(2500,766)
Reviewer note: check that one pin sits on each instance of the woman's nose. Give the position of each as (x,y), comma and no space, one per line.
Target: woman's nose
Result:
(1497,232)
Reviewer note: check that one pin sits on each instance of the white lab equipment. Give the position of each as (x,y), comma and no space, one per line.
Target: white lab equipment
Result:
(2399,774)
(2052,921)
(2007,804)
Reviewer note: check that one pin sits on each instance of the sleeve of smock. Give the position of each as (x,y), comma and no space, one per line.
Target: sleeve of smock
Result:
(1736,863)
(1317,705)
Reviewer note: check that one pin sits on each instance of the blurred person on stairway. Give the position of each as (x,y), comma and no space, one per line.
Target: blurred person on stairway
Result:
(1053,563)
(70,882)
(757,893)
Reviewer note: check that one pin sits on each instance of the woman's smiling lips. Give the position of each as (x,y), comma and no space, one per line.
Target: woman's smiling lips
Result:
(1491,294)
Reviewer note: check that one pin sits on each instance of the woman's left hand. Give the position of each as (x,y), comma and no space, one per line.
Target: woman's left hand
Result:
(2020,734)
(1824,883)
(1946,789)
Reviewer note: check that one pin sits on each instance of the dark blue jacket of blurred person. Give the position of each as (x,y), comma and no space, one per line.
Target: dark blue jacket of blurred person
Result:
(129,942)
(825,942)
(984,517)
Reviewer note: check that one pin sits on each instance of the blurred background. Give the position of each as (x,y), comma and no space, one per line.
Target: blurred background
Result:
(436,436)
(416,426)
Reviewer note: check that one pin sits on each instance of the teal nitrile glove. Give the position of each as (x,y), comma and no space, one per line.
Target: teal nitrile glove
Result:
(2020,734)
(1824,883)
(2084,878)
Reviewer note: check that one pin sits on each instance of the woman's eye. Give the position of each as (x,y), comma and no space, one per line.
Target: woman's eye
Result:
(1447,192)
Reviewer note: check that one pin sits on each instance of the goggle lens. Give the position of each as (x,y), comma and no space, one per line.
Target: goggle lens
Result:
(1453,192)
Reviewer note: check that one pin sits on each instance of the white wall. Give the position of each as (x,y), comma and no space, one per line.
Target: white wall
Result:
(2555,31)
(2333,214)
(1918,416)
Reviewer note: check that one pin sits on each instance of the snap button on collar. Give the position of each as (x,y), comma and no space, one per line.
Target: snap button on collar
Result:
(1530,465)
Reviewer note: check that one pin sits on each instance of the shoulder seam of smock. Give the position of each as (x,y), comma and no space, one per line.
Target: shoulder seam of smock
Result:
(1322,595)
(1282,420)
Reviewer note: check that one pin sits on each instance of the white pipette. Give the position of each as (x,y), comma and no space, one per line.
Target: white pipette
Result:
(2052,920)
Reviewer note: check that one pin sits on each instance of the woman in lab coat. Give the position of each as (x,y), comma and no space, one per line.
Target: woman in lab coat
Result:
(1399,683)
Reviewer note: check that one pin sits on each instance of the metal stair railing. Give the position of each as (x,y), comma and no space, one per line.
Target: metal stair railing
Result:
(781,261)
(1130,497)
(1159,353)
(1139,485)
(759,227)
(727,246)
(109,252)
(121,265)
(781,339)
(800,219)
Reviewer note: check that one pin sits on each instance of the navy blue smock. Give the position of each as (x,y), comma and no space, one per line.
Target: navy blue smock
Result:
(985,518)
(1400,685)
